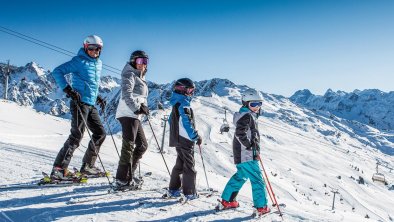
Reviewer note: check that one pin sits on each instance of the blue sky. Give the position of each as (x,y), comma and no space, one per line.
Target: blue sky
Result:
(275,46)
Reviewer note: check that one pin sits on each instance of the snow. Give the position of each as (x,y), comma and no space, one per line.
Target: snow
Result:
(302,163)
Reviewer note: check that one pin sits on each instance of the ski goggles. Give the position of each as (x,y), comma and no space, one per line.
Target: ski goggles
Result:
(140,61)
(93,48)
(183,89)
(255,104)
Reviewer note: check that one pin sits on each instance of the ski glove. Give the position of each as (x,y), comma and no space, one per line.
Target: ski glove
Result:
(71,93)
(199,140)
(101,102)
(255,143)
(143,110)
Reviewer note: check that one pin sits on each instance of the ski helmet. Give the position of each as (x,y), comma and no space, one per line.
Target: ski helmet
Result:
(137,54)
(184,86)
(251,95)
(92,40)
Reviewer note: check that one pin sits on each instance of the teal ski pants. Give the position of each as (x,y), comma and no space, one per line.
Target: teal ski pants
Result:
(247,170)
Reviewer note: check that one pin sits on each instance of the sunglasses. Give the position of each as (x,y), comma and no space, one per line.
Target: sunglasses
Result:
(93,48)
(140,61)
(255,104)
(187,91)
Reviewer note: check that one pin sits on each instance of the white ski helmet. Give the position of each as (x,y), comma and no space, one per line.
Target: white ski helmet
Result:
(251,95)
(92,40)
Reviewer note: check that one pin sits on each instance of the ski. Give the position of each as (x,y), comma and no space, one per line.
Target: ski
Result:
(132,187)
(166,196)
(207,193)
(48,181)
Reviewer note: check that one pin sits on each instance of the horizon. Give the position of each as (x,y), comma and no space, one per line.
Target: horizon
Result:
(334,90)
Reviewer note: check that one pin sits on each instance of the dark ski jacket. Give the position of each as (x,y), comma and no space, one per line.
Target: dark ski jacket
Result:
(85,72)
(183,131)
(246,131)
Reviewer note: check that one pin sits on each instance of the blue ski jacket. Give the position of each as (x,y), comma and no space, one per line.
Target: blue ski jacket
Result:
(85,72)
(182,124)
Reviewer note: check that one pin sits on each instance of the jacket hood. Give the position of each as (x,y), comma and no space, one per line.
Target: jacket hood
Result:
(179,98)
(243,111)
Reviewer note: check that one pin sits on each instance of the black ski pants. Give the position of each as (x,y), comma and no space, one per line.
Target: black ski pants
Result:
(92,118)
(134,145)
(184,165)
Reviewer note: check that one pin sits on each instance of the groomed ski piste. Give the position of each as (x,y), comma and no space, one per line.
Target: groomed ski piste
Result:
(304,169)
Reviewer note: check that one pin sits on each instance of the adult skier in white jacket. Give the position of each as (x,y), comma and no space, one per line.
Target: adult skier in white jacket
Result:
(132,105)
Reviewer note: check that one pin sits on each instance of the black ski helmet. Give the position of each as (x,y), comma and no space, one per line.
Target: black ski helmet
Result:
(181,86)
(137,54)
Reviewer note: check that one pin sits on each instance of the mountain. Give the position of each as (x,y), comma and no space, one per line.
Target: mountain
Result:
(372,106)
(362,115)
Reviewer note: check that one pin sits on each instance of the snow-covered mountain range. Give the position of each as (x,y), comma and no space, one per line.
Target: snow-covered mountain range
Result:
(372,106)
(308,154)
(366,115)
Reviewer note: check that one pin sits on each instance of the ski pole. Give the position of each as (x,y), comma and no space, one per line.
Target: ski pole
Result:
(109,129)
(268,190)
(269,184)
(91,140)
(157,142)
(203,165)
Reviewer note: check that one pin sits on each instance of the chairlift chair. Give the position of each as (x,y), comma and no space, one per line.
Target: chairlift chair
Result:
(378,176)
(224,127)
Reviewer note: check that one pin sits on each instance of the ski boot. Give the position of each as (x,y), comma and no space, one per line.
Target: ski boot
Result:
(260,211)
(92,171)
(59,173)
(120,185)
(224,205)
(171,194)
(185,198)
(191,196)
(137,183)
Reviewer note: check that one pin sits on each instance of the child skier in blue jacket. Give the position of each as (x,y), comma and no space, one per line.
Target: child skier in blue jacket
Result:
(183,135)
(246,154)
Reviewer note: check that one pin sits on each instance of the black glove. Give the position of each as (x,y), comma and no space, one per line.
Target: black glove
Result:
(254,141)
(143,110)
(101,102)
(199,140)
(71,93)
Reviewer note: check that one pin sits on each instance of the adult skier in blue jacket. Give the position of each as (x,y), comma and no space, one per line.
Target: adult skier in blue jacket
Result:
(85,70)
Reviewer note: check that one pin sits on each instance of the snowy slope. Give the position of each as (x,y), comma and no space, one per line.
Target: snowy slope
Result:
(307,155)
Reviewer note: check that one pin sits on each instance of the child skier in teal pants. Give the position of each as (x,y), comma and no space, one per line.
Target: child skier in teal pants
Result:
(246,154)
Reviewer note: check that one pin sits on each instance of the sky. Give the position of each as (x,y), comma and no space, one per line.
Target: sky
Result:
(276,46)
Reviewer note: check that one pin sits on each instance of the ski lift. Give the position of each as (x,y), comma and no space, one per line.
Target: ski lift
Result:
(225,127)
(378,176)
